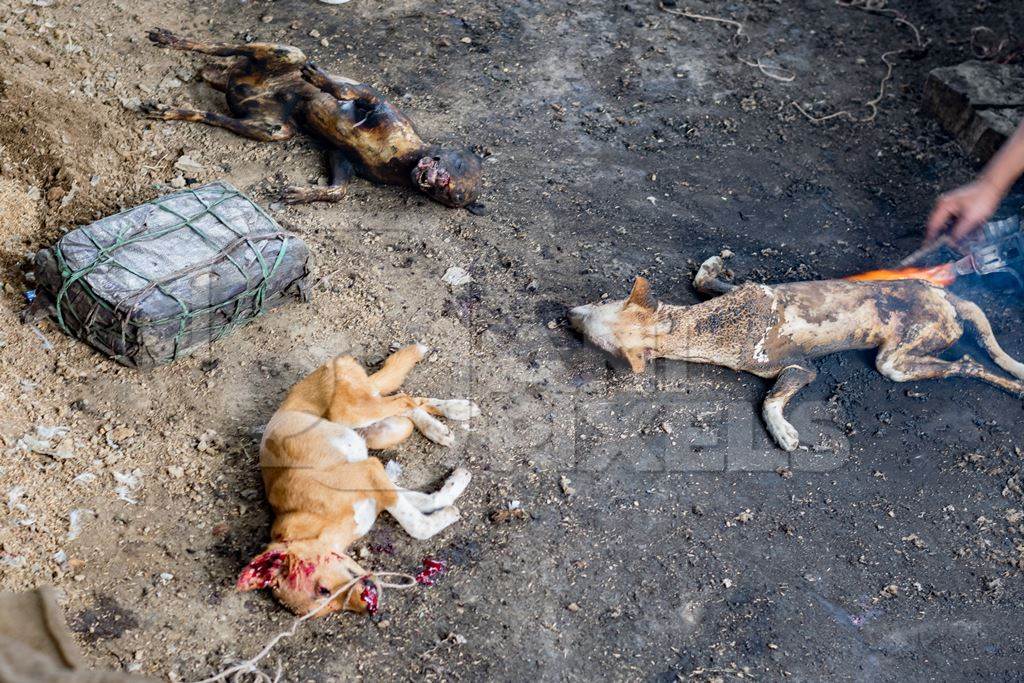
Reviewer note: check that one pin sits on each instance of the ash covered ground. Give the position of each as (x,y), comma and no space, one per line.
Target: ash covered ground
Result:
(661,536)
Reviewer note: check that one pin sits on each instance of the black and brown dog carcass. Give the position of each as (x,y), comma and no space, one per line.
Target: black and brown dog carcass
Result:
(273,92)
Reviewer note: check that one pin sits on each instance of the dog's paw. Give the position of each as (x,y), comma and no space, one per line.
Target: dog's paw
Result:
(162,36)
(437,432)
(457,482)
(458,409)
(785,435)
(154,110)
(448,515)
(293,194)
(314,75)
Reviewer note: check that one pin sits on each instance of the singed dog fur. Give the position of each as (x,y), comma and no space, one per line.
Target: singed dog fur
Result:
(326,492)
(776,331)
(273,91)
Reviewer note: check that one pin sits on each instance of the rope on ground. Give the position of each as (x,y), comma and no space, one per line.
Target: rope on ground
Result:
(237,672)
(777,73)
(874,7)
(770,70)
(705,17)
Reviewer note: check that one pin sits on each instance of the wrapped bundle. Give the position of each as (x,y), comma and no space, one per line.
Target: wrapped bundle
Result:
(154,283)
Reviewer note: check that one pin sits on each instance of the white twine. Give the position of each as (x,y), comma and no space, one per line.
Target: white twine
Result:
(237,672)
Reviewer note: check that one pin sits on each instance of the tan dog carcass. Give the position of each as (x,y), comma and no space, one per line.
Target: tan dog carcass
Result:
(776,331)
(326,492)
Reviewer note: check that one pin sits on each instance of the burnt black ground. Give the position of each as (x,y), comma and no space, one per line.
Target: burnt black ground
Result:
(622,140)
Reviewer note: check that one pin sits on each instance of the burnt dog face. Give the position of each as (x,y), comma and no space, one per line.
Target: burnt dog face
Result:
(450,177)
(301,583)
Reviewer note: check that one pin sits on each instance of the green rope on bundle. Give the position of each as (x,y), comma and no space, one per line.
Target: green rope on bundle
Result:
(245,306)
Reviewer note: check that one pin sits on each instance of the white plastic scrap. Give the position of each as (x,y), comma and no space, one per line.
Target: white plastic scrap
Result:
(456,277)
(85,478)
(75,522)
(128,484)
(13,496)
(42,442)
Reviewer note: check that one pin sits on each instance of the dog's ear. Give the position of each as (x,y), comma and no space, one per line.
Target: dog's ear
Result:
(641,295)
(263,571)
(636,358)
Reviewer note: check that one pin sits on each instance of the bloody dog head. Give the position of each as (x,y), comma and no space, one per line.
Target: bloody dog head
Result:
(449,176)
(628,328)
(301,579)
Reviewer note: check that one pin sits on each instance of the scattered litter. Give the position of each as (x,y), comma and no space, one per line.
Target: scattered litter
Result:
(10,560)
(566,484)
(166,577)
(128,484)
(42,442)
(60,557)
(13,496)
(75,522)
(210,442)
(84,478)
(187,164)
(456,277)
(744,517)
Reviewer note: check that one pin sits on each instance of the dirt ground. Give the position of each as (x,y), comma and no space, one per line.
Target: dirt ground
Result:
(661,536)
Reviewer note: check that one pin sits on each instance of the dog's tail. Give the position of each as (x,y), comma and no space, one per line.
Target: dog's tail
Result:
(970,312)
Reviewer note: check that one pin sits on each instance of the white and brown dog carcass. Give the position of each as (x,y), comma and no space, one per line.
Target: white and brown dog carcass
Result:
(775,332)
(326,492)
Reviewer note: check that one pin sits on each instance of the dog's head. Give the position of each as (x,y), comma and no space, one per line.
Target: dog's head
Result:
(301,579)
(626,328)
(452,177)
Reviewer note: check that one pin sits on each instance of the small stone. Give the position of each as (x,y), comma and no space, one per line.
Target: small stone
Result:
(267,18)
(566,485)
(573,607)
(466,39)
(177,182)
(176,471)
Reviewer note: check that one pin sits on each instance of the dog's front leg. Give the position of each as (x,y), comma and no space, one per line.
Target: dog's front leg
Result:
(453,487)
(417,524)
(791,380)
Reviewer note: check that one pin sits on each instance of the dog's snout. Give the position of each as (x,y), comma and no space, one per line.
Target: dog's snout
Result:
(577,315)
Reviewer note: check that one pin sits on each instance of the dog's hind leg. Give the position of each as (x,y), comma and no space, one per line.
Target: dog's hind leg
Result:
(706,280)
(791,380)
(387,433)
(215,76)
(982,329)
(397,367)
(900,366)
(264,131)
(453,487)
(342,173)
(418,525)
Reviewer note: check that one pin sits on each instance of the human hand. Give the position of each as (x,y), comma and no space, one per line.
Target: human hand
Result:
(970,206)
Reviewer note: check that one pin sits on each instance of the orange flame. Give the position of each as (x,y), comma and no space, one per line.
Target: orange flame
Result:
(940,276)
